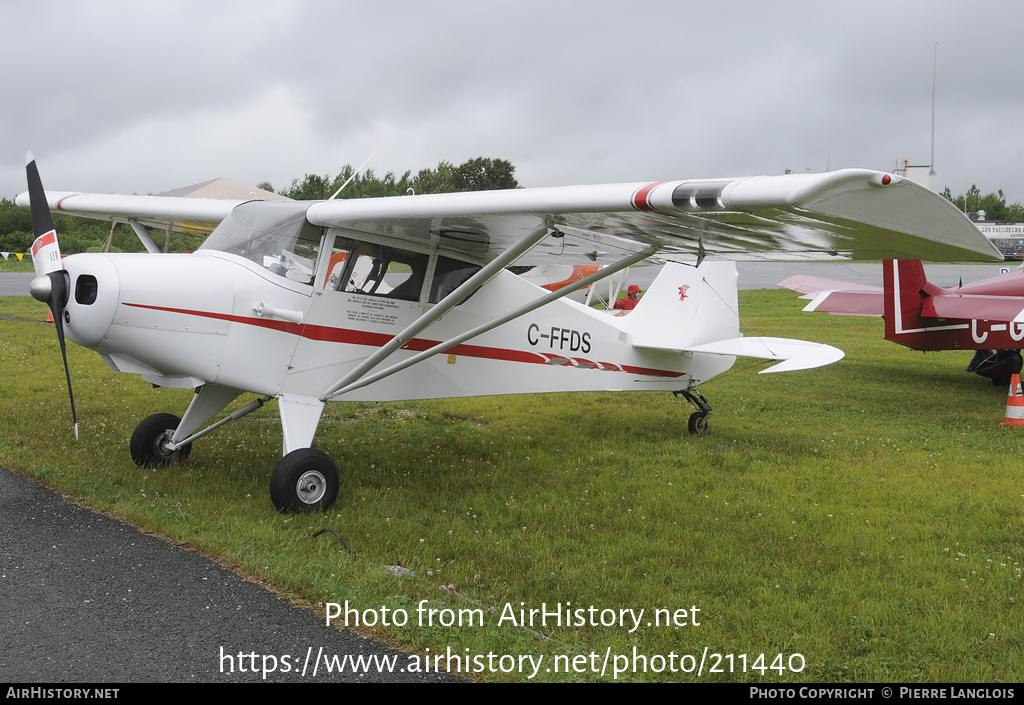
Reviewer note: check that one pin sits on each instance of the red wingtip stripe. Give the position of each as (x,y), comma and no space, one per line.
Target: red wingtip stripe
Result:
(640,201)
(60,203)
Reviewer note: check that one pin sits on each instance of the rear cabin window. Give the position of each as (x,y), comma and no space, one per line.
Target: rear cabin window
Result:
(449,274)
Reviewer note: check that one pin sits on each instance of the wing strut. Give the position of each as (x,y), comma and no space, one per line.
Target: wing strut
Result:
(144,237)
(490,325)
(489,271)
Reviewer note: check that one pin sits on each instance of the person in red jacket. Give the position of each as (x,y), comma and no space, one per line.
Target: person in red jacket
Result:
(629,303)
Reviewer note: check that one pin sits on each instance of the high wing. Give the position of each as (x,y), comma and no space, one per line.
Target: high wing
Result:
(857,213)
(854,213)
(195,216)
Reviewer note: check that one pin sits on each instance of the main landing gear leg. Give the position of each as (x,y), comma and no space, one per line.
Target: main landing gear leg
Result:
(698,422)
(150,444)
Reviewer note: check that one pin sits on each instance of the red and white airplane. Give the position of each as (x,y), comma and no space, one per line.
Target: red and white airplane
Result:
(270,305)
(986,315)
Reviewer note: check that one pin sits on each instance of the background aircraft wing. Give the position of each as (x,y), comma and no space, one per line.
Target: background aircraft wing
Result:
(807,284)
(853,213)
(196,216)
(837,297)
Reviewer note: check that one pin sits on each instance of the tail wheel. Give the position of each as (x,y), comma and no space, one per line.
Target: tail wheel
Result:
(149,442)
(698,422)
(306,480)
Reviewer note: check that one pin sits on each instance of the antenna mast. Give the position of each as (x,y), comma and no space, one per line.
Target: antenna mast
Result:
(935,64)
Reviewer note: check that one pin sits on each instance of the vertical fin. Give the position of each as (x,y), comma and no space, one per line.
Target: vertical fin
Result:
(904,282)
(686,306)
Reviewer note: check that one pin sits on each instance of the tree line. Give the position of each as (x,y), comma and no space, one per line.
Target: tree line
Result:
(480,174)
(994,204)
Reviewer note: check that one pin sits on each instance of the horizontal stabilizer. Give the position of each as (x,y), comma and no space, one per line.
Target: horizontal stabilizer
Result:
(991,308)
(807,284)
(795,354)
(837,297)
(848,303)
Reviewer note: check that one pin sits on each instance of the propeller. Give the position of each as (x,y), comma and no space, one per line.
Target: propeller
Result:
(52,284)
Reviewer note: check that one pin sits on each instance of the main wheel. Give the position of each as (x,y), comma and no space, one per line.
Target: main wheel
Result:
(147,444)
(698,422)
(306,480)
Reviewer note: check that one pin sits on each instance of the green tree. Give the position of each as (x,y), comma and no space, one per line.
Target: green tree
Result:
(313,187)
(365,185)
(15,227)
(994,204)
(482,174)
(479,174)
(440,180)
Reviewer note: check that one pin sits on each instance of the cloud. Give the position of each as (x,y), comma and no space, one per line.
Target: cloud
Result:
(136,97)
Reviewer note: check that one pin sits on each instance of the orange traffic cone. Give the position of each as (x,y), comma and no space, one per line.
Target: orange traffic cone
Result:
(1014,404)
(49,316)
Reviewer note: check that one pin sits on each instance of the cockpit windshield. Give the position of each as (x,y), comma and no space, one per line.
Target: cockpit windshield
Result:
(273,234)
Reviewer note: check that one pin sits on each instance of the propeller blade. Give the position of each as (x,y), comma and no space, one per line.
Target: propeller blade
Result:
(58,298)
(42,221)
(45,251)
(51,284)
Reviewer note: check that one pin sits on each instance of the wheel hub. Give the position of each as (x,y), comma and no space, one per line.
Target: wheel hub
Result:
(311,487)
(162,445)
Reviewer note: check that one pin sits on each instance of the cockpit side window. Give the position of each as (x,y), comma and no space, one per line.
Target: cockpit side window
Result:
(372,269)
(380,270)
(274,235)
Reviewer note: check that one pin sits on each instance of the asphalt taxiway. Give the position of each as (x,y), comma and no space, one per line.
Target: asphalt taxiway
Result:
(89,599)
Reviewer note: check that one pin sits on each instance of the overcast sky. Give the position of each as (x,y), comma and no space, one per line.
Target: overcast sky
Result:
(142,97)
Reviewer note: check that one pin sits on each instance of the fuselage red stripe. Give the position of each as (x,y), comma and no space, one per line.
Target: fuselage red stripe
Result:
(358,337)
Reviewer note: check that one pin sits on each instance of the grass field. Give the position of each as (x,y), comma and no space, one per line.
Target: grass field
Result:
(13,264)
(867,517)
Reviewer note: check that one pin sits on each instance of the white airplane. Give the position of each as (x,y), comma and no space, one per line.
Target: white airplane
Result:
(287,299)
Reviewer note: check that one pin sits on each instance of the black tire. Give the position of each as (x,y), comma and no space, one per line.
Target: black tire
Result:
(147,442)
(305,481)
(698,422)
